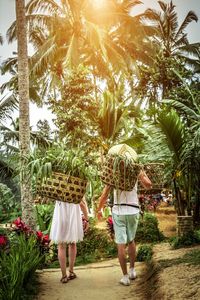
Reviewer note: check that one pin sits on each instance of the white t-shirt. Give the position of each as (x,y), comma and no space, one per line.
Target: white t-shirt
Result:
(125,197)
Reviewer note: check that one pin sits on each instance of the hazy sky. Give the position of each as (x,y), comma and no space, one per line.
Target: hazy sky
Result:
(7,15)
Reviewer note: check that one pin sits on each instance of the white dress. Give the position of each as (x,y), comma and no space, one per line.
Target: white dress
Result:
(67,224)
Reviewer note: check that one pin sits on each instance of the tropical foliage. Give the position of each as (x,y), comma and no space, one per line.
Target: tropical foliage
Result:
(109,76)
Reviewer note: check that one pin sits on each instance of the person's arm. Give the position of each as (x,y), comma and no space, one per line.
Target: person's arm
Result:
(144,180)
(84,208)
(102,200)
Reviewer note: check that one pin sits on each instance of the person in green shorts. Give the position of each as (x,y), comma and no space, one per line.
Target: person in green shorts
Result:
(125,215)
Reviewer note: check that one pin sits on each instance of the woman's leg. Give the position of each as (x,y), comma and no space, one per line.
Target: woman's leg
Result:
(62,258)
(72,256)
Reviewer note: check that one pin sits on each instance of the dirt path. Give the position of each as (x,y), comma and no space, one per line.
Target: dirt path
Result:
(97,281)
(174,281)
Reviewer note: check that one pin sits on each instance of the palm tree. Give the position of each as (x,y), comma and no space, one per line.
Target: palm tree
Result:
(10,66)
(187,106)
(24,126)
(11,136)
(172,50)
(67,33)
(171,37)
(180,133)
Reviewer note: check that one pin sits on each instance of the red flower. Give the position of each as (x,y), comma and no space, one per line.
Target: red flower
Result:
(46,239)
(3,240)
(18,223)
(110,220)
(39,235)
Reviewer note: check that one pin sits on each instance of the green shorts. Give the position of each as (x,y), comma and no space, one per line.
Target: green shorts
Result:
(125,227)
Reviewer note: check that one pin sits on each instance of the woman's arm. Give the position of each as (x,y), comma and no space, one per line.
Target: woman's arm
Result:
(84,208)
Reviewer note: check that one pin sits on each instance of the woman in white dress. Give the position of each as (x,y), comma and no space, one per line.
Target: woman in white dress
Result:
(67,228)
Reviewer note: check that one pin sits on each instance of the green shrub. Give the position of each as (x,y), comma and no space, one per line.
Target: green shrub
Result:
(18,266)
(148,230)
(144,253)
(44,215)
(189,239)
(96,244)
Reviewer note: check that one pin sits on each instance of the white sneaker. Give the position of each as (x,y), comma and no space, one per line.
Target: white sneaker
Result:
(125,280)
(132,273)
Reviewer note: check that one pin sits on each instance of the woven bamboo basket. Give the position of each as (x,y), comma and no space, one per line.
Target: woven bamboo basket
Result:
(62,187)
(119,176)
(155,172)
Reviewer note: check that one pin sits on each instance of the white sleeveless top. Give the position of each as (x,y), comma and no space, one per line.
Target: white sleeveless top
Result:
(125,197)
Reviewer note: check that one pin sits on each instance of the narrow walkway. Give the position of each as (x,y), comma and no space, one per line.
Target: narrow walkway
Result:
(99,281)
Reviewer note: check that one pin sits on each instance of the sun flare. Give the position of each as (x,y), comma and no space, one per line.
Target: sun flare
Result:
(99,3)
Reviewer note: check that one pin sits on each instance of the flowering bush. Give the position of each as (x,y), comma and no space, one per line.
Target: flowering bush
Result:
(148,203)
(20,255)
(42,239)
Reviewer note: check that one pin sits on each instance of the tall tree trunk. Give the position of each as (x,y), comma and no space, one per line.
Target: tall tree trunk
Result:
(24,122)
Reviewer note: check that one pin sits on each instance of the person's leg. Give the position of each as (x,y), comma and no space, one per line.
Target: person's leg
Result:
(72,251)
(132,256)
(132,222)
(132,253)
(62,261)
(119,223)
(122,257)
(122,260)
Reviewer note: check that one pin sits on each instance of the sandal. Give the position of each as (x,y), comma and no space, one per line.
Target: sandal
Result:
(64,279)
(72,275)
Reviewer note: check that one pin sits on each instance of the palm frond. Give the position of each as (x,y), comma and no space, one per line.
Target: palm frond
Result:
(174,131)
(184,108)
(163,5)
(191,16)
(46,6)
(182,41)
(39,62)
(7,105)
(72,56)
(5,169)
(1,39)
(191,50)
(128,5)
